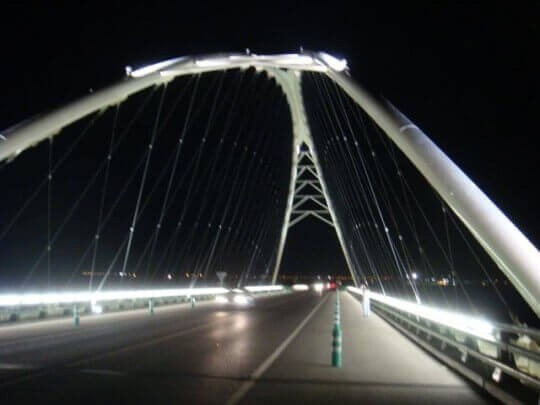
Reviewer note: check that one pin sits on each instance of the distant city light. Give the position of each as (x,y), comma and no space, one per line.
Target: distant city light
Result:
(443,281)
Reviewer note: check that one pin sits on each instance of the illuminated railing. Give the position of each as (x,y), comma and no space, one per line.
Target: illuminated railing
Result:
(30,299)
(34,306)
(263,288)
(503,359)
(31,306)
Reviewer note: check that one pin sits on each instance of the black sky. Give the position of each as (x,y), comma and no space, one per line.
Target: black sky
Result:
(466,74)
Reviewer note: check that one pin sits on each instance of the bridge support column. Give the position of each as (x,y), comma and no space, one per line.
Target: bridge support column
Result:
(290,82)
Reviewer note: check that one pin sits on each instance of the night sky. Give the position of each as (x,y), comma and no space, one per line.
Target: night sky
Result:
(466,74)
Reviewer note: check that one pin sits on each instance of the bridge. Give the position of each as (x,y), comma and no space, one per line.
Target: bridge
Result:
(145,238)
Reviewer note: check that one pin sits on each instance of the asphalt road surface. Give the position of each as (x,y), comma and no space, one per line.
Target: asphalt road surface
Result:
(179,354)
(275,352)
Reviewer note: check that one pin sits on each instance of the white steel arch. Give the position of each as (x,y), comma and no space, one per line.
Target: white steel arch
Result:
(515,255)
(289,81)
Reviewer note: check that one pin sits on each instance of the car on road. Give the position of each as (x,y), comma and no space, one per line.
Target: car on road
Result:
(236,298)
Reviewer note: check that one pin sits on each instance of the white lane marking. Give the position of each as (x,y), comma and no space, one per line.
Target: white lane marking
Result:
(143,344)
(97,325)
(140,345)
(103,372)
(259,371)
(93,329)
(41,338)
(110,353)
(18,366)
(92,320)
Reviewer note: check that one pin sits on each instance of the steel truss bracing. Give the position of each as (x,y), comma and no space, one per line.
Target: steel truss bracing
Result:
(309,199)
(303,149)
(515,255)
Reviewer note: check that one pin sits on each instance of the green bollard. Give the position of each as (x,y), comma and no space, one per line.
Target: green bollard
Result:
(336,311)
(336,346)
(336,336)
(76,320)
(151,306)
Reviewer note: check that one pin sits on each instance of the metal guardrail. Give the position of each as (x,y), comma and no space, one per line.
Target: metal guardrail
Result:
(35,306)
(504,359)
(72,297)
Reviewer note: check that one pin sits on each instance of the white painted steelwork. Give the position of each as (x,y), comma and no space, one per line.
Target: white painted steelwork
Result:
(290,83)
(515,255)
(308,192)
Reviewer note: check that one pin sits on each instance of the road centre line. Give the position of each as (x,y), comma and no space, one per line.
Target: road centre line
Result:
(265,365)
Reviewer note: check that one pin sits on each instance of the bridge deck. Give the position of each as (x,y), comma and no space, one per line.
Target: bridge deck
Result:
(277,352)
(379,365)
